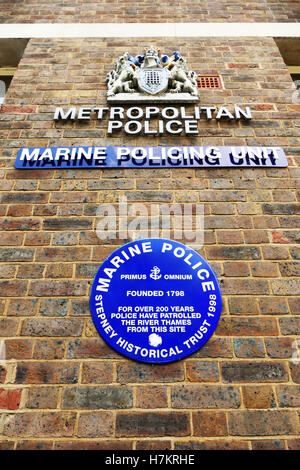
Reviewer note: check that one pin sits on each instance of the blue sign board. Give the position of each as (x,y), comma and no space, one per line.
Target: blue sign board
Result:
(155,300)
(29,158)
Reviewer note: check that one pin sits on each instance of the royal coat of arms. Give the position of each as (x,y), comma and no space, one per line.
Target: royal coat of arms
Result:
(152,77)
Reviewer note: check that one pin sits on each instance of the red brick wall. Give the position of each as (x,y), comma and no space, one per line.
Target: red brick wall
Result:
(106,11)
(61,386)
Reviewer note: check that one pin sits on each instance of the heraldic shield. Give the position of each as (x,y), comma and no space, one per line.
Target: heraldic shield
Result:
(153,80)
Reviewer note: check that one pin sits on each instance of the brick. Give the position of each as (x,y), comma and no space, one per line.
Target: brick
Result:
(295,370)
(258,396)
(99,185)
(295,253)
(98,424)
(148,424)
(278,237)
(3,373)
(264,269)
(279,347)
(153,444)
(45,209)
(7,271)
(222,196)
(294,305)
(244,286)
(264,222)
(4,444)
(248,347)
(30,271)
(18,348)
(67,224)
(288,396)
(109,397)
(212,444)
(35,198)
(247,326)
(12,238)
(138,372)
(8,327)
(42,397)
(10,398)
(290,326)
(151,396)
(34,445)
(56,288)
(237,252)
(237,268)
(18,109)
(293,444)
(59,270)
(80,307)
(273,305)
(256,236)
(31,424)
(114,445)
(37,238)
(275,252)
(46,372)
(254,372)
(209,423)
(285,287)
(262,423)
(229,237)
(281,208)
(51,327)
(58,253)
(75,197)
(242,305)
(30,174)
(16,254)
(86,270)
(205,396)
(97,372)
(19,210)
(289,221)
(90,349)
(268,444)
(202,371)
(49,349)
(222,208)
(290,269)
(215,347)
(13,288)
(54,307)
(227,222)
(26,185)
(65,238)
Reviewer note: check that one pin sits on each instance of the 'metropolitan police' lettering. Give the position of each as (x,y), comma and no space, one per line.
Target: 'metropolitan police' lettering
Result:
(149,157)
(136,120)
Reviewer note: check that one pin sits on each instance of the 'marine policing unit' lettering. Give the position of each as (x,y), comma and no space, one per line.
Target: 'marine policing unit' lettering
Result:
(155,300)
(149,157)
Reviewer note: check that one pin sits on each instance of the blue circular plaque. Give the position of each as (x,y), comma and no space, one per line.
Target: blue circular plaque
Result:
(155,300)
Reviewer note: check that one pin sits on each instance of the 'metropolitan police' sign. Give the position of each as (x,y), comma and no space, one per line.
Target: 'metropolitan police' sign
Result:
(149,157)
(155,300)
